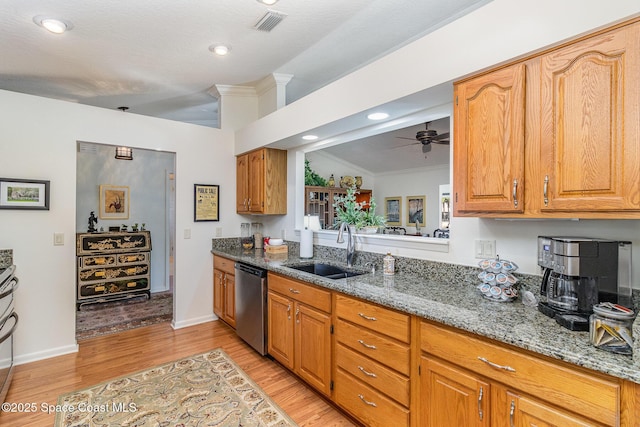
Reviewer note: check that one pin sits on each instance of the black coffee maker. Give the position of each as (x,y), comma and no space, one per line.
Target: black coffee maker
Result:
(580,272)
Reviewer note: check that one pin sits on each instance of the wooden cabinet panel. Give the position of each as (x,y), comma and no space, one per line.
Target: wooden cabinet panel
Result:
(590,124)
(307,294)
(367,404)
(218,292)
(452,396)
(489,149)
(280,329)
(313,347)
(224,290)
(591,395)
(261,182)
(379,319)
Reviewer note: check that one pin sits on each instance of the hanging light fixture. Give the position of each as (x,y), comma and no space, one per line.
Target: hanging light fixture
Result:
(124,153)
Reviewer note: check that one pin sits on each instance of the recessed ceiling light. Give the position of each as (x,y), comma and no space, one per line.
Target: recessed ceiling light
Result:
(377,116)
(220,49)
(310,137)
(268,2)
(54,25)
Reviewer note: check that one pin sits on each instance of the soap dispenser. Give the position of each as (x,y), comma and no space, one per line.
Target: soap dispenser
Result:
(388,265)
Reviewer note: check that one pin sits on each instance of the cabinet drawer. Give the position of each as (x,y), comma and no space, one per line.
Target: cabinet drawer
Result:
(106,288)
(591,395)
(306,294)
(374,374)
(98,260)
(379,348)
(379,319)
(367,404)
(224,264)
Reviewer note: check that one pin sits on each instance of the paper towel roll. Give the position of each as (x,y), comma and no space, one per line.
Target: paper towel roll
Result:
(306,243)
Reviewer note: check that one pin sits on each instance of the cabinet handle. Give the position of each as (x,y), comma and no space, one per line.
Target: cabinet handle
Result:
(373,347)
(364,371)
(373,319)
(495,365)
(289,312)
(367,402)
(249,204)
(512,413)
(480,403)
(298,315)
(294,291)
(245,204)
(545,190)
(515,193)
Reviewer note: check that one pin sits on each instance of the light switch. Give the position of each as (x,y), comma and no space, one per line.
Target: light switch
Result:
(218,231)
(187,233)
(58,239)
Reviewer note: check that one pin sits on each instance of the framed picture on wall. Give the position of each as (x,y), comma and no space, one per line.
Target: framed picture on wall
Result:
(205,203)
(393,210)
(415,210)
(114,202)
(24,194)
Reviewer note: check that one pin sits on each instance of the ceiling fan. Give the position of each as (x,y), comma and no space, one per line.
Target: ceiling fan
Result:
(426,137)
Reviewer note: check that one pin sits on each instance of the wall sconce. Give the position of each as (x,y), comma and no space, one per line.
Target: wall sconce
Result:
(124,153)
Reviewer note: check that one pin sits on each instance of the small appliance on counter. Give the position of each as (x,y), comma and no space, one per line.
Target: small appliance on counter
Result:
(579,273)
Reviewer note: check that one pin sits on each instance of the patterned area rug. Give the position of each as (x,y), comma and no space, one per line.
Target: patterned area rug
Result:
(93,320)
(204,390)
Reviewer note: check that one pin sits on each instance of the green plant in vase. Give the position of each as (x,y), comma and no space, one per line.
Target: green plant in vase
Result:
(370,219)
(348,209)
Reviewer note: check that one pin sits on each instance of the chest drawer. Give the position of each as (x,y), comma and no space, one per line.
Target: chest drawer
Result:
(377,347)
(367,404)
(588,394)
(374,374)
(224,264)
(306,294)
(380,319)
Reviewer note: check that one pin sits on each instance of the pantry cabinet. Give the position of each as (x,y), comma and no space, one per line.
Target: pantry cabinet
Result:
(224,290)
(299,329)
(261,182)
(486,383)
(555,134)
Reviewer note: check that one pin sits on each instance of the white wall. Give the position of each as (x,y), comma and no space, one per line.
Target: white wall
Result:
(39,141)
(496,32)
(146,177)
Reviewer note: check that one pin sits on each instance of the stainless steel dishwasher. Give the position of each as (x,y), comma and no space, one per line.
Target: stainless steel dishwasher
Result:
(251,310)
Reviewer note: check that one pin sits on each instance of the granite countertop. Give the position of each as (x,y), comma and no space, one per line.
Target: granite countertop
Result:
(453,299)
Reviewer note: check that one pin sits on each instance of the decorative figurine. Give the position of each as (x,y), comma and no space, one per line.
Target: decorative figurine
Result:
(135,227)
(92,223)
(142,229)
(124,227)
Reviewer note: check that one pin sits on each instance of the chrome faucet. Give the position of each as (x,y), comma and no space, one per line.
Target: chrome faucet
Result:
(417,226)
(351,244)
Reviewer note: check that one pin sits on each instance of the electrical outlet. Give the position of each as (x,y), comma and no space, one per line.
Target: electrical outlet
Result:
(58,239)
(218,231)
(187,233)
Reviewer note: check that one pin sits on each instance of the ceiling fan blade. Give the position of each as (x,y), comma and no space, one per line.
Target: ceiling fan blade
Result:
(402,137)
(405,145)
(443,142)
(444,135)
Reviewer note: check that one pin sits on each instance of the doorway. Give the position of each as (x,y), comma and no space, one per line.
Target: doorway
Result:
(150,181)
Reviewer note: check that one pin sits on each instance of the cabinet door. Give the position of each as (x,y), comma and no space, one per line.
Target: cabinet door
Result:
(280,329)
(218,293)
(313,347)
(230,299)
(451,396)
(489,129)
(256,181)
(529,412)
(591,124)
(242,183)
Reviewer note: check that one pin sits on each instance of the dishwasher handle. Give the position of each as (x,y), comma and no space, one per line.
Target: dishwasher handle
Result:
(254,271)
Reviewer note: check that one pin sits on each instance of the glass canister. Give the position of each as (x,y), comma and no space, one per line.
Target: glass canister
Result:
(246,239)
(256,232)
(611,327)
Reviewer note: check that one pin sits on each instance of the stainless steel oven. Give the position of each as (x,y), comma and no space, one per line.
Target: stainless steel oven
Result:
(8,324)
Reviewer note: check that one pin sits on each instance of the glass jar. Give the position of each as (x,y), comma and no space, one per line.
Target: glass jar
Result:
(256,232)
(246,239)
(611,328)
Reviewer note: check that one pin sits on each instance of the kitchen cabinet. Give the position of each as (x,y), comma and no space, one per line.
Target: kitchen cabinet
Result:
(261,182)
(224,290)
(299,329)
(319,201)
(492,384)
(555,134)
(373,362)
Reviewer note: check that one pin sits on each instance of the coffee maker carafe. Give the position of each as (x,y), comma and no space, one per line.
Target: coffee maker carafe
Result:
(581,272)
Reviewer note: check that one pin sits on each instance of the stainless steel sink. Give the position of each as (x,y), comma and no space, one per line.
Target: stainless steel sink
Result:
(327,270)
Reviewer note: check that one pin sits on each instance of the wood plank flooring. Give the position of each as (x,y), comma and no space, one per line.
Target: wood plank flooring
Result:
(103,358)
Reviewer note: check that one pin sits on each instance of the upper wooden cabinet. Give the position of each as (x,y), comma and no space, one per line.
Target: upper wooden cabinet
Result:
(261,182)
(553,135)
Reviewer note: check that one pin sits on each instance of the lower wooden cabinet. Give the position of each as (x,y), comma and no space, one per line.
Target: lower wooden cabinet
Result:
(299,330)
(224,290)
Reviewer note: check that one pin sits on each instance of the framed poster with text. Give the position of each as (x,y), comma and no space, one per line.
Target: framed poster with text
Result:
(205,202)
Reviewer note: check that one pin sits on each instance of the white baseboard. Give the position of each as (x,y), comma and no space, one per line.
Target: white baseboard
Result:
(40,355)
(195,321)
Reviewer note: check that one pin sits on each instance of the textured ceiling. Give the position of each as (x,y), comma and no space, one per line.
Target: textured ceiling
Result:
(153,55)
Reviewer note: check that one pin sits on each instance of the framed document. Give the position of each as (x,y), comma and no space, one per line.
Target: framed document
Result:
(205,202)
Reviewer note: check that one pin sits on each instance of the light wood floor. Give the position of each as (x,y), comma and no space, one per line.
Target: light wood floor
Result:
(103,358)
